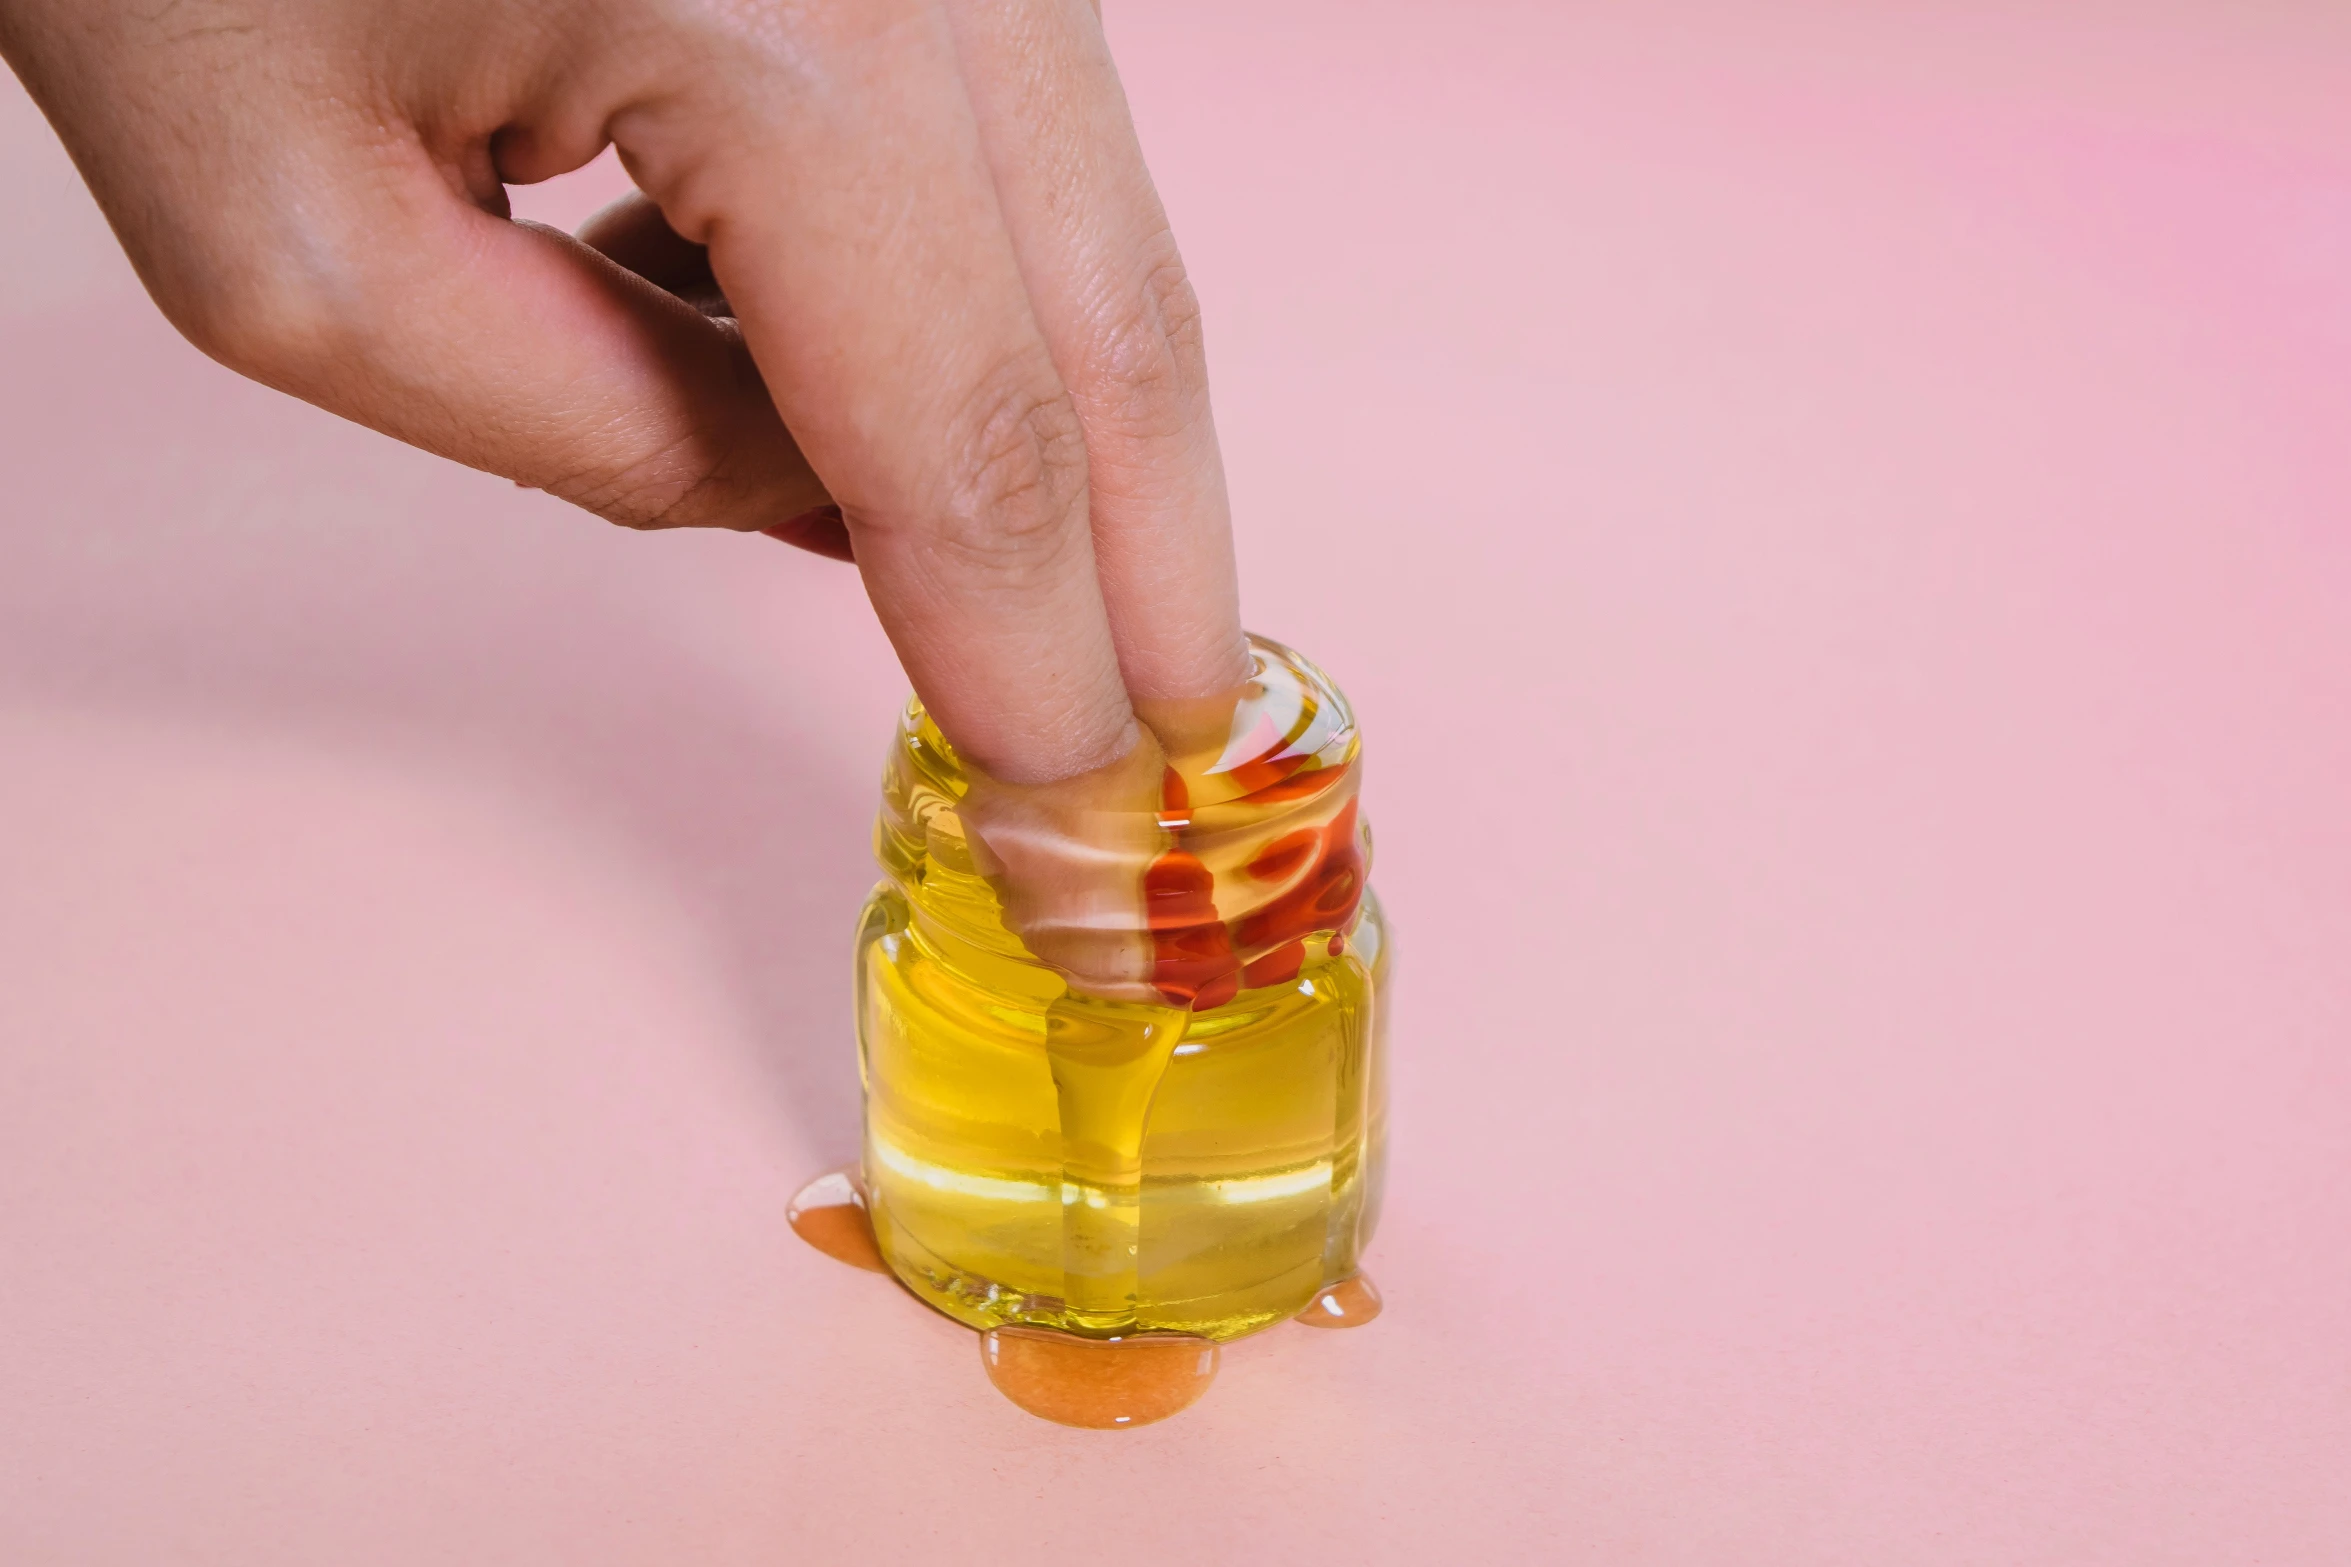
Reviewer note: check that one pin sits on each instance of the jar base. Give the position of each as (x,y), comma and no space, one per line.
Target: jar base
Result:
(1104,1384)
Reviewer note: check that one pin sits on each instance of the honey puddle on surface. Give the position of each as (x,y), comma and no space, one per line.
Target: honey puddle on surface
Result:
(829,1214)
(1106,1384)
(1103,1384)
(1350,1303)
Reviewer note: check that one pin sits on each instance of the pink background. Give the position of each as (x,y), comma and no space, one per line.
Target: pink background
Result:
(1837,528)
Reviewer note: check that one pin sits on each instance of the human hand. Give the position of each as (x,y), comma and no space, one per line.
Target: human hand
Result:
(955,311)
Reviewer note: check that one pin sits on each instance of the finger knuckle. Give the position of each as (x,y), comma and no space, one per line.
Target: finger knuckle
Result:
(678,484)
(1151,366)
(1020,470)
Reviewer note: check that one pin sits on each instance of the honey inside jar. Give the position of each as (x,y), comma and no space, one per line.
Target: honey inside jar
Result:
(1198,1153)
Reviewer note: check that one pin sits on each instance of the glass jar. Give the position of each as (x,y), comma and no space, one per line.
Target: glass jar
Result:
(1204,1160)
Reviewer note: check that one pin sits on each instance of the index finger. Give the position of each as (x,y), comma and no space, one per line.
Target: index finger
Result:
(854,225)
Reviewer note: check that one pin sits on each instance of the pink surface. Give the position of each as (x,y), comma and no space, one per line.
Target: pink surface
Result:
(1836,528)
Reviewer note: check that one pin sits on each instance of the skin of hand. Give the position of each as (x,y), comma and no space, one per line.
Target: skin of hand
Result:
(898,289)
(895,257)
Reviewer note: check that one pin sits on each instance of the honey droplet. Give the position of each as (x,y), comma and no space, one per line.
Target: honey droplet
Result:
(829,1214)
(1100,1384)
(1350,1303)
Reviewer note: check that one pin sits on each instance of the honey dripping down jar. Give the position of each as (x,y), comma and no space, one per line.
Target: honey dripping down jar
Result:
(1178,1125)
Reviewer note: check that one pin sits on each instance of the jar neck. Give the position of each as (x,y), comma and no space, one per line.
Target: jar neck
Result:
(1245,850)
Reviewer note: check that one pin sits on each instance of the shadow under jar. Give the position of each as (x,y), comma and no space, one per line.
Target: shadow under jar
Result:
(1205,1162)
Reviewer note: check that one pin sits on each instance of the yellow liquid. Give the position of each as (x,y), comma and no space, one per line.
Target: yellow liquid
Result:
(1103,1384)
(1042,1157)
